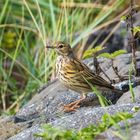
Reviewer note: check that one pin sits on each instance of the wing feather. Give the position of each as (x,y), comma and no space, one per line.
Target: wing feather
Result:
(81,71)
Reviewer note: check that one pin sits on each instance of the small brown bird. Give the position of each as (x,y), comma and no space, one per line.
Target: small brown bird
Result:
(75,75)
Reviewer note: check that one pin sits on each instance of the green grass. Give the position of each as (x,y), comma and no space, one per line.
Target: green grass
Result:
(130,83)
(26,26)
(88,133)
(102,100)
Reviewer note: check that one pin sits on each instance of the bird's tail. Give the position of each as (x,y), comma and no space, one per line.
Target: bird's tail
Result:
(116,90)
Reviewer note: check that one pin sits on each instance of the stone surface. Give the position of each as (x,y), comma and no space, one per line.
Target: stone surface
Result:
(28,134)
(85,116)
(77,120)
(122,63)
(8,128)
(127,97)
(50,101)
(128,130)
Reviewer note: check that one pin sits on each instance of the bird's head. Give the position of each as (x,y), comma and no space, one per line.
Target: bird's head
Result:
(62,48)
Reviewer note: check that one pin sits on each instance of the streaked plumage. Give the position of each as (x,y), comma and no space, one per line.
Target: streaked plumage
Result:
(72,73)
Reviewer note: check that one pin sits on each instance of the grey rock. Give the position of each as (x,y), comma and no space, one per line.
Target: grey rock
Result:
(85,116)
(128,129)
(28,134)
(127,97)
(50,101)
(77,120)
(8,128)
(122,62)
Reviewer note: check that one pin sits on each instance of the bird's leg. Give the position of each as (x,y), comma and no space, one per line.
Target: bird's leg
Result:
(76,102)
(74,105)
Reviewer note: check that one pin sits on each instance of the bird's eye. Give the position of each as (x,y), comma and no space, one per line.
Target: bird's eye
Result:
(60,46)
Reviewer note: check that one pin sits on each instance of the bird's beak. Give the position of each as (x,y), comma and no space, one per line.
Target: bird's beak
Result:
(51,47)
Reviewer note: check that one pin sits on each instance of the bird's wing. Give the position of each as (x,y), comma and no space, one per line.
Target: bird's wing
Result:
(86,74)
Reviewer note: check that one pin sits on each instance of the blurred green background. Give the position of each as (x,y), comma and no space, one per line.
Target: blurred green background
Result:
(27,26)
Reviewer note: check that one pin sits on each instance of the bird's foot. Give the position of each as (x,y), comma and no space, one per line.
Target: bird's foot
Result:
(71,107)
(71,104)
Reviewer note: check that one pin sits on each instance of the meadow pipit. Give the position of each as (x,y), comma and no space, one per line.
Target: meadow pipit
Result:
(75,75)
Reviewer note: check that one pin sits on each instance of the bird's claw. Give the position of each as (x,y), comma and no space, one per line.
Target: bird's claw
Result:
(68,108)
